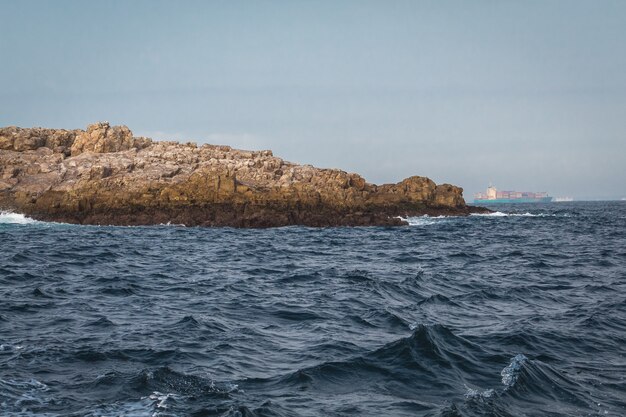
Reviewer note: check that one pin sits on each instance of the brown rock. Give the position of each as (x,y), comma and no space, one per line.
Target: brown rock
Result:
(7,137)
(19,139)
(104,175)
(447,195)
(60,141)
(26,142)
(102,138)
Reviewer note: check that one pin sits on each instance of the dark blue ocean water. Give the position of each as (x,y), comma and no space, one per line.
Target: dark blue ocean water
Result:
(500,315)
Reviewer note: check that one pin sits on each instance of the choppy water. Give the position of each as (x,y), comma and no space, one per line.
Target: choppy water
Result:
(501,315)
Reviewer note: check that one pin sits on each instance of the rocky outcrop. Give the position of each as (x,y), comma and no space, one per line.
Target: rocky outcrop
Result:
(105,175)
(102,138)
(18,139)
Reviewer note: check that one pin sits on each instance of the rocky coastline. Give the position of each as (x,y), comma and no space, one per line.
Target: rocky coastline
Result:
(105,175)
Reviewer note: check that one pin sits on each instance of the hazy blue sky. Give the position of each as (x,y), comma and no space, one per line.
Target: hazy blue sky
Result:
(530,94)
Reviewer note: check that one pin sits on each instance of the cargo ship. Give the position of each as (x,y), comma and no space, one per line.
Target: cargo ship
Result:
(493,196)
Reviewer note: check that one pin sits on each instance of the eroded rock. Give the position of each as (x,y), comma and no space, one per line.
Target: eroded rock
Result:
(102,138)
(104,175)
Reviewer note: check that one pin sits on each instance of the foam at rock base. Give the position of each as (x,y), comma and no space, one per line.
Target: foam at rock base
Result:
(15,218)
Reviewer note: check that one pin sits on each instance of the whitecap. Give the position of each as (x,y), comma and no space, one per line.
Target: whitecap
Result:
(494,214)
(153,405)
(161,400)
(509,375)
(474,393)
(502,214)
(7,217)
(170,224)
(511,372)
(422,220)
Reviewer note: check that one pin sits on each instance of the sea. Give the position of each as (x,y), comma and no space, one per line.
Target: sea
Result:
(521,312)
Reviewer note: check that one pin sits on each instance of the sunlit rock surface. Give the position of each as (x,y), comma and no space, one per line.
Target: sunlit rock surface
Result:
(105,175)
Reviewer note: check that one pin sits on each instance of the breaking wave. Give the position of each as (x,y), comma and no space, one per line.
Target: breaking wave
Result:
(423,220)
(15,218)
(502,214)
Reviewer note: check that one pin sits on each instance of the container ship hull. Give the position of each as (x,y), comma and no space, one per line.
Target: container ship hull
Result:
(513,200)
(493,196)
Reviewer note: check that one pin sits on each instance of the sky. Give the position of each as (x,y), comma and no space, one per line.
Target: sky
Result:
(528,95)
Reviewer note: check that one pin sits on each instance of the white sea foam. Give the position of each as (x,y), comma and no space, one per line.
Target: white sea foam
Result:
(512,371)
(7,217)
(423,220)
(474,393)
(501,214)
(428,220)
(161,400)
(9,348)
(153,405)
(170,224)
(509,375)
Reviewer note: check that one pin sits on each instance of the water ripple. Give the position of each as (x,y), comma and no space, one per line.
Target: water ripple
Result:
(519,312)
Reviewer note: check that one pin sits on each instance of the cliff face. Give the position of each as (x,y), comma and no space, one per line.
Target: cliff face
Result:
(104,175)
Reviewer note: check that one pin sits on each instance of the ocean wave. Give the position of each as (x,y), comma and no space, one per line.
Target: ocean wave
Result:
(159,392)
(145,407)
(424,220)
(433,356)
(7,217)
(427,220)
(156,404)
(439,300)
(511,372)
(339,321)
(502,214)
(170,224)
(17,396)
(550,389)
(165,379)
(12,218)
(472,393)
